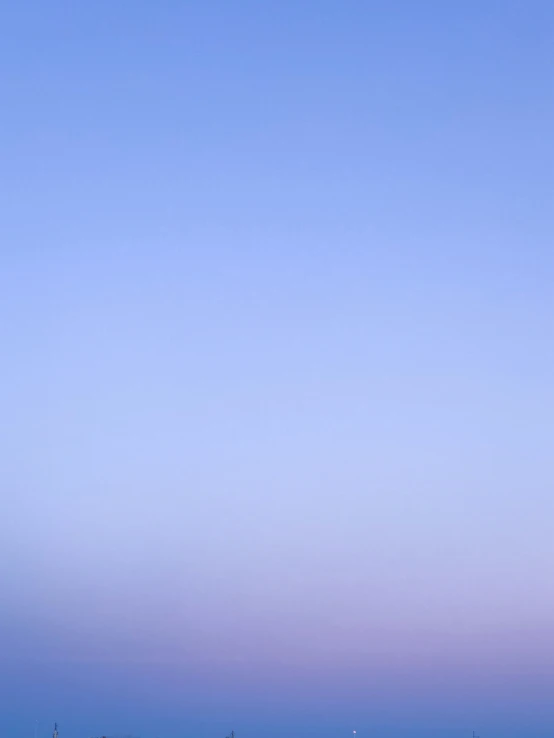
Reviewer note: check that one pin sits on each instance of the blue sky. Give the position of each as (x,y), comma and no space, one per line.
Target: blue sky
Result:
(277,329)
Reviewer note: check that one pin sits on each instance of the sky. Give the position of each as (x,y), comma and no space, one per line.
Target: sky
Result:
(277,348)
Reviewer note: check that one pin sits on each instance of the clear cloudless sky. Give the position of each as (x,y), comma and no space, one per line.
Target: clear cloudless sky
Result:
(277,360)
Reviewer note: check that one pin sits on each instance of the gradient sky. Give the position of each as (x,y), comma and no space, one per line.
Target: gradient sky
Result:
(277,401)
